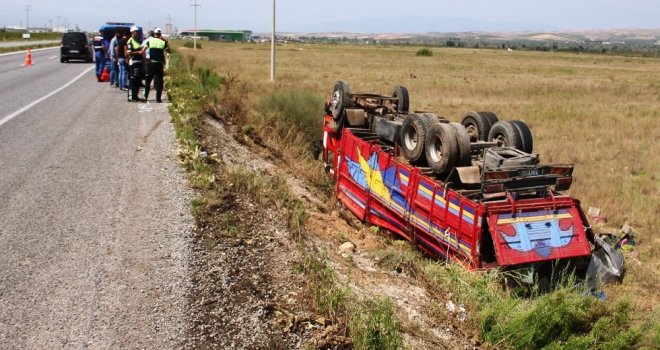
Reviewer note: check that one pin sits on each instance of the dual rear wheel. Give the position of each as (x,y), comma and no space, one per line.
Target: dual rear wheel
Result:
(436,142)
(442,145)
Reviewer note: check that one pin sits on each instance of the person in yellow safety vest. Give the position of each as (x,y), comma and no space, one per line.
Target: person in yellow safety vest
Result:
(134,54)
(155,62)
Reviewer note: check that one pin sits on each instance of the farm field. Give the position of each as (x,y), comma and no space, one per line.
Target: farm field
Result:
(600,112)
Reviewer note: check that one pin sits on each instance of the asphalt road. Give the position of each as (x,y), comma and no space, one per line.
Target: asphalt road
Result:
(93,213)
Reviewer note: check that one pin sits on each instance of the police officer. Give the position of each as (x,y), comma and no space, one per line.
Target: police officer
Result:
(100,50)
(134,56)
(155,63)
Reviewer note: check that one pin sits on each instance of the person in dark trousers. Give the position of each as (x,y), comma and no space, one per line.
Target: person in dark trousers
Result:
(134,55)
(155,63)
(120,53)
(100,51)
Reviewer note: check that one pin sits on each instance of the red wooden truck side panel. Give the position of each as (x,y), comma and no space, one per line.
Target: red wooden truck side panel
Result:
(386,192)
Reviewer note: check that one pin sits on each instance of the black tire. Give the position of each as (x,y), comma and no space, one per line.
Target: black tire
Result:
(506,134)
(492,117)
(341,99)
(413,134)
(441,148)
(478,125)
(431,119)
(403,99)
(463,142)
(525,135)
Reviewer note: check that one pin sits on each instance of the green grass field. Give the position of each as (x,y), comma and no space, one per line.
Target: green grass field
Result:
(16,36)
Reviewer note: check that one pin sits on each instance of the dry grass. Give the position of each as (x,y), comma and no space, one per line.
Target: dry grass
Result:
(600,112)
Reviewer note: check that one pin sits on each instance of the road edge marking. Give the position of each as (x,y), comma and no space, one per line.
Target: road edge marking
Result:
(34,103)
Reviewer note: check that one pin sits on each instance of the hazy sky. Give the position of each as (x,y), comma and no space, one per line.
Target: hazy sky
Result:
(303,15)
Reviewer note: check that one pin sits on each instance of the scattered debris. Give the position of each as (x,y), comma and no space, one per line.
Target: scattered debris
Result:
(145,108)
(460,310)
(606,265)
(347,248)
(624,240)
(596,216)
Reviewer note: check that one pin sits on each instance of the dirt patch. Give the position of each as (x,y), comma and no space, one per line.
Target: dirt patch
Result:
(242,276)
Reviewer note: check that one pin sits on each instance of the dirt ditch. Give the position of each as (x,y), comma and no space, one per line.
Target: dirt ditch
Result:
(248,292)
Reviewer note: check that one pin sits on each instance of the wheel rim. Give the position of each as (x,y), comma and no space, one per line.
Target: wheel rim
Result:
(472,131)
(335,99)
(410,138)
(435,149)
(501,140)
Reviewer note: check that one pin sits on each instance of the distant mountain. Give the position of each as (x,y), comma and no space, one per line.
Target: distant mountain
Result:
(425,25)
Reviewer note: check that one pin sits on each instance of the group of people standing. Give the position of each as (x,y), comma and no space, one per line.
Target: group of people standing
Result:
(133,63)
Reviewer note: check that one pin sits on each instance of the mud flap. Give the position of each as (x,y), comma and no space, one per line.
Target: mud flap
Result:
(606,265)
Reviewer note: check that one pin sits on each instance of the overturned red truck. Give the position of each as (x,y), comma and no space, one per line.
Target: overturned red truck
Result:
(472,192)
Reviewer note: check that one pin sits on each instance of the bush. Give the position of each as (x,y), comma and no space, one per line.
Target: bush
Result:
(424,52)
(373,325)
(559,320)
(328,299)
(293,112)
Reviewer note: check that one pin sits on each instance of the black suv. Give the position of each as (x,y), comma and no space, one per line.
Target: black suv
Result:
(75,45)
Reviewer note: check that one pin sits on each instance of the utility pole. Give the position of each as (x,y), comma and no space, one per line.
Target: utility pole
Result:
(168,25)
(58,23)
(272,48)
(27,23)
(195,5)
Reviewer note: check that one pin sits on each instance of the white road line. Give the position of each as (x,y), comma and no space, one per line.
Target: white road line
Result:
(34,103)
(51,57)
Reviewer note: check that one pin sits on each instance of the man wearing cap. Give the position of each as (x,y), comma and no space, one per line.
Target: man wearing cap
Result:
(156,47)
(134,54)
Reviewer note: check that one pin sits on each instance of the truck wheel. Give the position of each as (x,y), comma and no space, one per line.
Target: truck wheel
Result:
(413,134)
(478,125)
(463,143)
(506,134)
(402,100)
(341,98)
(525,135)
(441,148)
(491,116)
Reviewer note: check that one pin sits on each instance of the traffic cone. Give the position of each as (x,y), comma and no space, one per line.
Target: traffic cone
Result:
(105,76)
(28,58)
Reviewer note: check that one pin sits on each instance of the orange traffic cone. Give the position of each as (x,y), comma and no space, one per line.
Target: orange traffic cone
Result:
(105,76)
(28,58)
